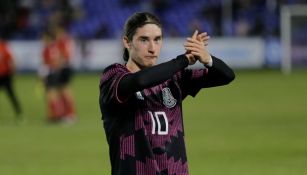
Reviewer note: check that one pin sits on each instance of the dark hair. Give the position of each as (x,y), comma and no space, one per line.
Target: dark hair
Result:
(136,21)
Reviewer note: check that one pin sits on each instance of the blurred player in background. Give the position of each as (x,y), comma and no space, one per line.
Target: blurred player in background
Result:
(141,102)
(56,75)
(7,70)
(65,45)
(49,73)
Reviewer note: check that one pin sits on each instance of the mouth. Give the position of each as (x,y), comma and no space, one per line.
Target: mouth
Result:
(151,57)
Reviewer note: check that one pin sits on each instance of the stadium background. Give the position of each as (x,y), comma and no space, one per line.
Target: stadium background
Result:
(256,125)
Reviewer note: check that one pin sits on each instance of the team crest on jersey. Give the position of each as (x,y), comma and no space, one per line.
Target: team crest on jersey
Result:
(168,99)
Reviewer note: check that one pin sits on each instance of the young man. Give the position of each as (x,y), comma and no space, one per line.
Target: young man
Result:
(7,70)
(141,102)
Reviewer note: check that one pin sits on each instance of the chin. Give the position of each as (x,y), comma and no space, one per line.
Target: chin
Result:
(151,64)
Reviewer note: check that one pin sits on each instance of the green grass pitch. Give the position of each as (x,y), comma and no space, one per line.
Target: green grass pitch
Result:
(257,126)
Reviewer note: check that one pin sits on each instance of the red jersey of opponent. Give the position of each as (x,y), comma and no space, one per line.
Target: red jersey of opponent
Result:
(65,47)
(6,60)
(51,56)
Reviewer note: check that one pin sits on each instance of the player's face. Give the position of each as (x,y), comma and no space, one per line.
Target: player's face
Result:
(145,46)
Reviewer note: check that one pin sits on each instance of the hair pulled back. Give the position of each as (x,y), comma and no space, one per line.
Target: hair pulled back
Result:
(136,21)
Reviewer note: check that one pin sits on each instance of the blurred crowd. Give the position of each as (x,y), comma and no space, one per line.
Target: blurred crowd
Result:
(92,19)
(29,19)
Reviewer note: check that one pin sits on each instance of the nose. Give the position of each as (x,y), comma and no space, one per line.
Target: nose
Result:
(151,47)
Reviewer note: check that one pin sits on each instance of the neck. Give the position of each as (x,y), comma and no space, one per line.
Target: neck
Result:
(133,66)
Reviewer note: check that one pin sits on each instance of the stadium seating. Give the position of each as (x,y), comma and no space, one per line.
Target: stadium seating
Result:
(105,18)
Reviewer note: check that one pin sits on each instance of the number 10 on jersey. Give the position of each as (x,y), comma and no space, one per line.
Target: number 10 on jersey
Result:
(159,123)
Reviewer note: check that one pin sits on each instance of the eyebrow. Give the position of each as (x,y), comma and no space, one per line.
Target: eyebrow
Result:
(146,37)
(158,37)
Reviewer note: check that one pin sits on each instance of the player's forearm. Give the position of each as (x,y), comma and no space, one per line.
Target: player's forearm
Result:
(219,74)
(151,76)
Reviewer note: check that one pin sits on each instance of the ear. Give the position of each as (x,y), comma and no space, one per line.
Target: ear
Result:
(126,42)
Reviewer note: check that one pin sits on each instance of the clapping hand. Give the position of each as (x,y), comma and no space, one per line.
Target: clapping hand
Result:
(196,48)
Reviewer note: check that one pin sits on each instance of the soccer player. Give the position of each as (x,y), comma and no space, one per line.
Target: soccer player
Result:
(56,74)
(49,73)
(141,102)
(65,45)
(7,70)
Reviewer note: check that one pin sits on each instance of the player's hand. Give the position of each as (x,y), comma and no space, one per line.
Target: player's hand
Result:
(197,46)
(192,59)
(203,37)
